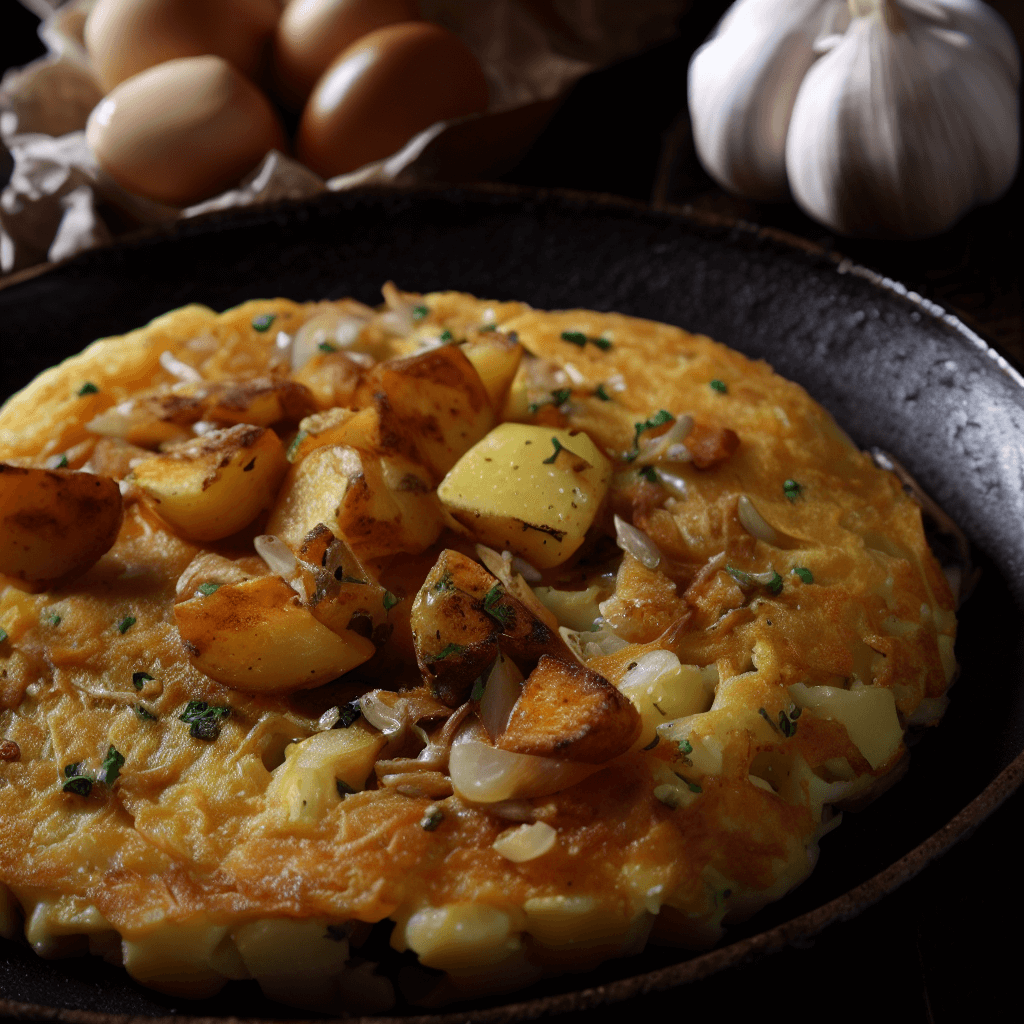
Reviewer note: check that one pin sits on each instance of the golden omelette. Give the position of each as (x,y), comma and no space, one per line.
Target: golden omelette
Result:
(539,634)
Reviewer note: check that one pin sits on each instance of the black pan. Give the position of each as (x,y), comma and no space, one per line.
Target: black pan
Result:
(897,373)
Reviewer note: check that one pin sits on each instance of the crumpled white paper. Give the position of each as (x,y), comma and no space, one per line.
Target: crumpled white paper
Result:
(59,202)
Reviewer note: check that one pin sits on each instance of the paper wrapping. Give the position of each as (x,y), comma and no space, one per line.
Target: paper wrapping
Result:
(58,202)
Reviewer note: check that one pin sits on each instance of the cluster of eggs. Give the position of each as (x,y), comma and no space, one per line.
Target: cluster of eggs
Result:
(195,89)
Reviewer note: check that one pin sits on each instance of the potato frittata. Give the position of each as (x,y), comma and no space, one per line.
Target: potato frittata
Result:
(538,634)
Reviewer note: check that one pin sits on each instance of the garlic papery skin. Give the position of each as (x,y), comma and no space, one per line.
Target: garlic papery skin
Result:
(904,117)
(742,85)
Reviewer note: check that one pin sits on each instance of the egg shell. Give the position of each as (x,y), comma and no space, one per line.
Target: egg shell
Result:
(382,90)
(124,37)
(183,131)
(312,33)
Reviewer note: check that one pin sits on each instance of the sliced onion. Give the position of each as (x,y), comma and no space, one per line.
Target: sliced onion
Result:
(655,449)
(636,543)
(501,691)
(276,554)
(486,774)
(523,567)
(176,368)
(526,842)
(120,420)
(340,330)
(329,719)
(594,644)
(672,481)
(753,522)
(398,319)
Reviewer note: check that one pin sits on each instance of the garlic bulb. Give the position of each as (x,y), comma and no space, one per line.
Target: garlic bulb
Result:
(879,117)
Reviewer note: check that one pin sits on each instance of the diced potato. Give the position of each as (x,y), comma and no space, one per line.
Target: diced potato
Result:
(532,490)
(259,402)
(439,400)
(461,618)
(568,712)
(55,524)
(496,357)
(379,505)
(213,486)
(256,636)
(306,784)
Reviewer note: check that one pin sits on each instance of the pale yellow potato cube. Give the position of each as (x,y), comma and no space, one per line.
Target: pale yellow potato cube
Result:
(495,357)
(380,505)
(256,636)
(54,523)
(213,486)
(528,489)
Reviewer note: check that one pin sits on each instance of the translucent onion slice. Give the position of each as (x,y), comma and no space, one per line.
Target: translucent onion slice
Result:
(338,330)
(486,774)
(753,522)
(501,691)
(398,319)
(176,368)
(668,446)
(276,554)
(526,842)
(119,420)
(636,543)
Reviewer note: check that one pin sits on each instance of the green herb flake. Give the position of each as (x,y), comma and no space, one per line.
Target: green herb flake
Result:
(432,819)
(78,784)
(3,635)
(561,396)
(694,788)
(326,346)
(602,343)
(444,583)
(389,600)
(685,747)
(62,463)
(661,417)
(488,327)
(791,489)
(262,323)
(203,719)
(500,613)
(602,393)
(786,725)
(478,688)
(347,714)
(649,473)
(419,312)
(144,713)
(574,338)
(448,650)
(805,575)
(126,623)
(720,386)
(775,583)
(554,455)
(446,336)
(54,619)
(112,765)
(206,589)
(744,579)
(88,388)
(344,789)
(139,679)
(293,448)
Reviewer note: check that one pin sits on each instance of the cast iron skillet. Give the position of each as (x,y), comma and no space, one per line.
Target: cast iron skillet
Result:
(896,371)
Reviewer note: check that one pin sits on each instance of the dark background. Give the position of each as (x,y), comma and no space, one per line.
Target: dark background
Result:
(946,944)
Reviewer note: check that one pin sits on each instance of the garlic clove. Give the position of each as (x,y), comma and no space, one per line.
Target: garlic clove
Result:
(742,85)
(905,124)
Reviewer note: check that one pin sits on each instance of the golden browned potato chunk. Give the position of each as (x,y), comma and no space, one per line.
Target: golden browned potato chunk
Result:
(569,712)
(496,357)
(256,636)
(54,523)
(216,484)
(461,618)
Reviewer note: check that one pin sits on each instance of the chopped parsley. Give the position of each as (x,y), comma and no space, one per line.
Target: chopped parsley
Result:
(432,819)
(112,765)
(144,713)
(339,575)
(770,579)
(203,719)
(501,614)
(559,397)
(600,392)
(139,679)
(389,600)
(787,723)
(602,343)
(344,789)
(720,386)
(791,489)
(206,589)
(53,619)
(62,462)
(444,583)
(558,448)
(574,338)
(347,714)
(448,650)
(685,747)
(661,417)
(76,782)
(648,473)
(805,574)
(3,635)
(419,312)
(262,323)
(488,327)
(326,346)
(478,688)
(293,448)
(88,388)
(446,336)
(126,623)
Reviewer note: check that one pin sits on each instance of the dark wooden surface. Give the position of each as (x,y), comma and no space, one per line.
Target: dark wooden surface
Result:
(945,946)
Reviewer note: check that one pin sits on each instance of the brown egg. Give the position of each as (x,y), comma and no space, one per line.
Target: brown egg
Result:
(382,90)
(124,37)
(183,131)
(311,33)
